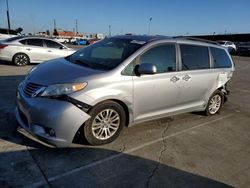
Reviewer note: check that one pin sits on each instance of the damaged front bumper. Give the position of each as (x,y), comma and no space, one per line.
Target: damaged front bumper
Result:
(52,121)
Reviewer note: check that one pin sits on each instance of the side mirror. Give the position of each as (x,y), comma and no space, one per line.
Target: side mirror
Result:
(146,68)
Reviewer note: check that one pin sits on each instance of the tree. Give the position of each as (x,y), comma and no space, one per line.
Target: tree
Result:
(19,30)
(48,33)
(55,33)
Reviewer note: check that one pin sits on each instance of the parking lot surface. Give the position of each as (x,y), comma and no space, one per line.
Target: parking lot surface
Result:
(188,150)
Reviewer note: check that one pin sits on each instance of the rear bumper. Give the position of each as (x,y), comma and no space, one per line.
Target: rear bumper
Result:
(42,116)
(5,58)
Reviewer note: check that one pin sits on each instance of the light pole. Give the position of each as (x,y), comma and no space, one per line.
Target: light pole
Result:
(149,23)
(109,30)
(8,16)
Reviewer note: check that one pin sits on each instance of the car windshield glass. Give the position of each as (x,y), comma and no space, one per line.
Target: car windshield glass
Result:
(106,54)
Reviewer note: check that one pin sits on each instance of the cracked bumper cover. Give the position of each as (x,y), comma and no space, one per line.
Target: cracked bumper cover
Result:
(36,115)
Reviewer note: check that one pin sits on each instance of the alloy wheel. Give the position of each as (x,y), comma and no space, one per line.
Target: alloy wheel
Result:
(105,124)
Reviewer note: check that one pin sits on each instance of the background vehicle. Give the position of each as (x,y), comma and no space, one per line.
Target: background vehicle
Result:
(120,81)
(24,50)
(229,45)
(61,40)
(7,33)
(92,41)
(80,42)
(243,48)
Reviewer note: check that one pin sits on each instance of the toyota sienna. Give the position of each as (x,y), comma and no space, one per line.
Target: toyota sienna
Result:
(121,81)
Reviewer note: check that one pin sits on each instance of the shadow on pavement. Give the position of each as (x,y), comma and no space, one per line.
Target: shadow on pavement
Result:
(91,167)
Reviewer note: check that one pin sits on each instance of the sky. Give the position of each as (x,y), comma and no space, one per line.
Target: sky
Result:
(169,17)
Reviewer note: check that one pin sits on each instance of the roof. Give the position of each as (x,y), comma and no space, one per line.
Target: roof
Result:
(145,38)
(150,38)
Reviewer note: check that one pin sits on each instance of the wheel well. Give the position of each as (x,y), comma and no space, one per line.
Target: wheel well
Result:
(123,105)
(224,91)
(20,53)
(125,108)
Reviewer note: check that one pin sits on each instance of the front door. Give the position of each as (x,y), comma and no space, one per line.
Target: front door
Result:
(156,95)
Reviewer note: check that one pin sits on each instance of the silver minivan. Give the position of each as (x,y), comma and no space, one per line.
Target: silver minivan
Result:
(121,81)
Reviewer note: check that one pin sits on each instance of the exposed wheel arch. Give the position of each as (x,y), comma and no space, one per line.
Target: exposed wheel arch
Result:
(125,108)
(78,135)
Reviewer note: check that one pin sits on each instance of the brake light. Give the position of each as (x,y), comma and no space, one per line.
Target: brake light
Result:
(2,46)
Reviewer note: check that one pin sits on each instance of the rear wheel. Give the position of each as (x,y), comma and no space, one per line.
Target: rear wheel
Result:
(106,122)
(21,59)
(215,103)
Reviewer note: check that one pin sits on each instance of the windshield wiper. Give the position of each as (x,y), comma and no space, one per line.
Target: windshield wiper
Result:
(79,62)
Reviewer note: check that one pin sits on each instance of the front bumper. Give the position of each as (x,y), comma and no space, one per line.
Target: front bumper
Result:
(39,116)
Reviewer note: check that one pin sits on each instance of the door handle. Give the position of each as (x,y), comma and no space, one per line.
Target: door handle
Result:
(49,51)
(174,79)
(186,77)
(28,49)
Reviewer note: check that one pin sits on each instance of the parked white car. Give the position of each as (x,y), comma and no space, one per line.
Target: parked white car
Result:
(229,45)
(24,50)
(61,40)
(7,33)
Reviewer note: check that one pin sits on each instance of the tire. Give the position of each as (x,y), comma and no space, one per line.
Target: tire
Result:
(21,59)
(215,103)
(106,122)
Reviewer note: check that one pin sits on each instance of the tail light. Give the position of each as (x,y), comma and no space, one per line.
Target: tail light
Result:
(2,46)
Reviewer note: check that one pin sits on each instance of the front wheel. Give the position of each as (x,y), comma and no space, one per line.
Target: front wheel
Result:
(215,103)
(106,122)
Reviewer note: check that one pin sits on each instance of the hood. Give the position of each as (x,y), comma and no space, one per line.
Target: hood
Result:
(59,71)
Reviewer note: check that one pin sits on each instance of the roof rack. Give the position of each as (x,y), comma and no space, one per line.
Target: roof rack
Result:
(197,39)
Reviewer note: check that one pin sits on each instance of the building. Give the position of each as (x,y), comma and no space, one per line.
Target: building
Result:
(68,34)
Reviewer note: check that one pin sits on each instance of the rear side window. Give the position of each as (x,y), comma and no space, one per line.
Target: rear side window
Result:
(221,59)
(163,57)
(35,42)
(194,57)
(52,44)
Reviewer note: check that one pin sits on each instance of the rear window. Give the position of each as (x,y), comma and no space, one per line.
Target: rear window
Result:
(194,57)
(221,59)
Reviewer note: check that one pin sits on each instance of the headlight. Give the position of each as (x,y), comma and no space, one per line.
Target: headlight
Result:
(62,89)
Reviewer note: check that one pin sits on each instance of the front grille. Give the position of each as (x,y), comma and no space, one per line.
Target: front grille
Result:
(30,88)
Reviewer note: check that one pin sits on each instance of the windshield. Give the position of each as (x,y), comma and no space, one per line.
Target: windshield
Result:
(106,54)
